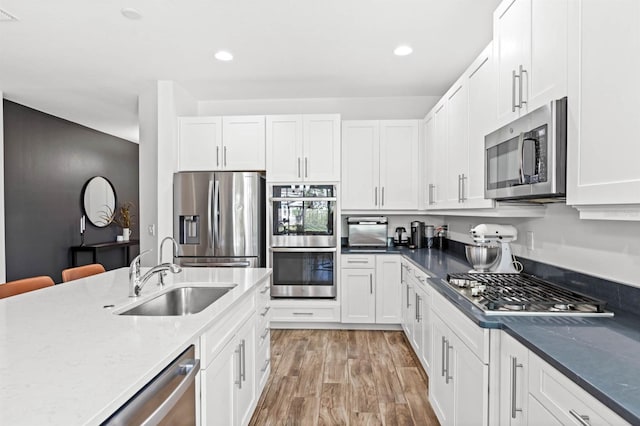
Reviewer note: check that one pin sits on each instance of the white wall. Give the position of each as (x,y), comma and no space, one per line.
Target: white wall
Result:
(607,249)
(159,105)
(403,107)
(3,260)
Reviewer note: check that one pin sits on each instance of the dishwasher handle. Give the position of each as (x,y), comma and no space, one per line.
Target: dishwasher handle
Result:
(187,367)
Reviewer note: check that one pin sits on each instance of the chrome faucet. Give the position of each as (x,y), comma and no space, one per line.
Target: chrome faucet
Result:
(163,274)
(136,282)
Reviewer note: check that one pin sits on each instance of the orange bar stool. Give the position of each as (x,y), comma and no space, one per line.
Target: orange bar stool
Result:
(25,285)
(78,272)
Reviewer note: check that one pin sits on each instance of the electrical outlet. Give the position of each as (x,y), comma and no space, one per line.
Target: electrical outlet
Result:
(530,242)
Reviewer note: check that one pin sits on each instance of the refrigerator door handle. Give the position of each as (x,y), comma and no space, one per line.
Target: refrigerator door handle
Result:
(216,212)
(209,213)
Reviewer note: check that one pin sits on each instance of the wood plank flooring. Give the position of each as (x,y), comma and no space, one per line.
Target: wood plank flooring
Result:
(343,377)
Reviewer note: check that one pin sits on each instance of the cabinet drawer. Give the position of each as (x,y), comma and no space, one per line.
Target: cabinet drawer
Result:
(302,314)
(564,398)
(361,261)
(263,366)
(263,334)
(214,339)
(263,296)
(473,336)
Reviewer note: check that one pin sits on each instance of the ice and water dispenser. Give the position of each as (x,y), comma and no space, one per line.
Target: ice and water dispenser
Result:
(189,229)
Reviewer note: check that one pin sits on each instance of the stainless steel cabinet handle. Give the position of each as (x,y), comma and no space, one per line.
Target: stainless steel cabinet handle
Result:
(514,386)
(444,343)
(299,167)
(448,377)
(375,196)
(371,283)
(266,310)
(402,273)
(225,156)
(243,370)
(513,91)
(583,419)
(306,167)
(239,381)
(522,101)
(357,261)
(417,308)
(408,298)
(265,334)
(382,198)
(264,290)
(303,313)
(431,197)
(266,365)
(217,155)
(459,191)
(462,180)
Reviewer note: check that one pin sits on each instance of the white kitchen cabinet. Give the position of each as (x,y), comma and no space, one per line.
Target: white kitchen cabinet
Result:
(408,300)
(457,146)
(263,337)
(228,392)
(199,142)
(428,158)
(388,290)
(303,148)
(603,177)
(370,288)
(564,399)
(221,143)
(514,382)
(437,158)
(380,165)
(530,42)
(425,354)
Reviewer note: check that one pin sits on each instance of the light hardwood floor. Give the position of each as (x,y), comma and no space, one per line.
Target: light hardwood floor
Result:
(343,377)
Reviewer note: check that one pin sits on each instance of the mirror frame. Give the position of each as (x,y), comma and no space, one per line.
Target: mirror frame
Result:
(97,221)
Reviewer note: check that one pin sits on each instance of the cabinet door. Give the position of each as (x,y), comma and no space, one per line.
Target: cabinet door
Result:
(360,165)
(440,387)
(439,153)
(427,324)
(514,381)
(547,73)
(199,143)
(321,147)
(604,57)
(218,387)
(467,375)
(482,120)
(388,290)
(243,146)
(512,41)
(399,164)
(246,391)
(358,295)
(457,147)
(429,160)
(418,302)
(284,148)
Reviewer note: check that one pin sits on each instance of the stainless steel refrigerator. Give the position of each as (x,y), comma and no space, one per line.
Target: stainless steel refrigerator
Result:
(219,218)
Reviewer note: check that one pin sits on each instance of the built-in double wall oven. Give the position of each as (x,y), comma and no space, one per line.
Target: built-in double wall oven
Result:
(303,240)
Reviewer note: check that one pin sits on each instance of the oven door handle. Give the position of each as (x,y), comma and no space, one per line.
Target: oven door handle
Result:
(303,249)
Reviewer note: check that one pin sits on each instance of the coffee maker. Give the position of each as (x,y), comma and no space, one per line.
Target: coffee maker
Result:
(417,234)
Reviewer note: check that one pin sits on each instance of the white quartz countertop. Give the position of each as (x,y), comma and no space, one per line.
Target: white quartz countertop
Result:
(67,360)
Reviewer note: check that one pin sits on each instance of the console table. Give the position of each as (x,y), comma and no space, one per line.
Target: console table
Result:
(95,248)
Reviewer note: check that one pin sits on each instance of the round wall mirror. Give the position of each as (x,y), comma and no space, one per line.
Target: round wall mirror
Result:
(98,201)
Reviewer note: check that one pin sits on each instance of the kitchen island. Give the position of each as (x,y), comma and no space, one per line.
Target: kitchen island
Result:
(67,358)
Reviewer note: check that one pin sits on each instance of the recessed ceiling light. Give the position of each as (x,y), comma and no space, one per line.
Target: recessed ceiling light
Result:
(130,13)
(403,50)
(223,55)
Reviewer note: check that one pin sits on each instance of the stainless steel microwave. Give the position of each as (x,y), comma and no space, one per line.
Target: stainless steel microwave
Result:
(527,159)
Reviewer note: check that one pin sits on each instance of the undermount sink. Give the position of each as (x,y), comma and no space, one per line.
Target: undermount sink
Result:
(179,301)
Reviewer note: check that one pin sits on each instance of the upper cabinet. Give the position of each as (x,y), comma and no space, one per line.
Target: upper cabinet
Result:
(380,165)
(221,143)
(603,177)
(303,148)
(530,50)
(454,140)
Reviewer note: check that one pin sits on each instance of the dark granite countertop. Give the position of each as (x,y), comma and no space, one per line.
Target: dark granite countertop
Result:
(602,355)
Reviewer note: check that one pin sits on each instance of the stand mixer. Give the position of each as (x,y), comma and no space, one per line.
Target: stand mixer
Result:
(503,235)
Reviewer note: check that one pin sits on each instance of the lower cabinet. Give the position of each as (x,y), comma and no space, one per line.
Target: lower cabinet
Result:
(532,392)
(371,289)
(228,383)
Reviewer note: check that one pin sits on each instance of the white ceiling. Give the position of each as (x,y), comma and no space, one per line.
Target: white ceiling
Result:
(83,61)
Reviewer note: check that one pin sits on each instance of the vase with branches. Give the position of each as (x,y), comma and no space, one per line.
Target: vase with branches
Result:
(123,217)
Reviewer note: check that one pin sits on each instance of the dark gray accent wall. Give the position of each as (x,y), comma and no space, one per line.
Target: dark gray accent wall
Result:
(47,161)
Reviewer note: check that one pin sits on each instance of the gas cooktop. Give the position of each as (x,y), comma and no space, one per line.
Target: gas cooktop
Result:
(521,294)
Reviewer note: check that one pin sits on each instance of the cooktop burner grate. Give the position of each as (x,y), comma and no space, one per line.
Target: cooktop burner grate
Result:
(503,294)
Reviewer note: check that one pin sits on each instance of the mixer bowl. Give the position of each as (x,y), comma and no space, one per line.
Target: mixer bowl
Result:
(482,257)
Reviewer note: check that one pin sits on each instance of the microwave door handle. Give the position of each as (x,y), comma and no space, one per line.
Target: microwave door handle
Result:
(521,151)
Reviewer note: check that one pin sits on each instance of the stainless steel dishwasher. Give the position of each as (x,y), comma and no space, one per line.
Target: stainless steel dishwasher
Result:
(168,399)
